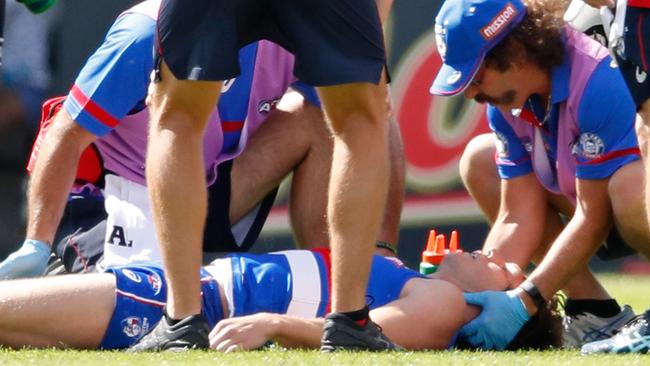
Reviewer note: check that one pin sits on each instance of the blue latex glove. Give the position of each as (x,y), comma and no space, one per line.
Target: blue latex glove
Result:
(502,317)
(28,261)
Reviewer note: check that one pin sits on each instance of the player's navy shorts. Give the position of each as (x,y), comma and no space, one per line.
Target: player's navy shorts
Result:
(141,294)
(334,41)
(635,62)
(79,242)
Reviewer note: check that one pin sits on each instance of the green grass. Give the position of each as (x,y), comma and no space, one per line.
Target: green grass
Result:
(632,290)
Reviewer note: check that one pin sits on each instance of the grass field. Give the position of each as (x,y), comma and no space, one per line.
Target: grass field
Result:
(631,290)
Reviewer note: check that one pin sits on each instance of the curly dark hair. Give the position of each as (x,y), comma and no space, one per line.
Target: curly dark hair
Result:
(538,37)
(542,331)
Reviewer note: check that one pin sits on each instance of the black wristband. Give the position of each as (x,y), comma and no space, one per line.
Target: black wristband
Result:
(388,246)
(532,291)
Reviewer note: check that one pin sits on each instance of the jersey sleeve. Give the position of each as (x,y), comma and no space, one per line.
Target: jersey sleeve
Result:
(606,116)
(512,158)
(115,78)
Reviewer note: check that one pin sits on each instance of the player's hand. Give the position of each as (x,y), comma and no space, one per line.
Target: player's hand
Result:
(242,333)
(501,318)
(28,261)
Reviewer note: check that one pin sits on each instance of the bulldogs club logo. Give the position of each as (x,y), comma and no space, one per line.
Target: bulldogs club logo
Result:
(588,146)
(155,282)
(135,327)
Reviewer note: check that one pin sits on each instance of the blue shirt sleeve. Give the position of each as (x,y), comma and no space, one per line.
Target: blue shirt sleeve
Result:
(512,157)
(115,78)
(308,92)
(606,116)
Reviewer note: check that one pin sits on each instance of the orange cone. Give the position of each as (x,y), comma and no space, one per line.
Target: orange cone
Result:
(453,243)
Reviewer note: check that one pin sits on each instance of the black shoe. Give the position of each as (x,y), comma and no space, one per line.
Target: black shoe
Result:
(340,332)
(189,333)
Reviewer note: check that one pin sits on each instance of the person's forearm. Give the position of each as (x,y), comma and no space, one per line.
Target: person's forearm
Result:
(296,332)
(572,249)
(53,176)
(579,240)
(515,240)
(518,229)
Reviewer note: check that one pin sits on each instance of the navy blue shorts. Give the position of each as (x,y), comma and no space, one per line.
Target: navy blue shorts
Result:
(635,62)
(334,41)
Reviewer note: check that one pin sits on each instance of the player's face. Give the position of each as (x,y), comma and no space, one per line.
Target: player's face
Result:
(505,90)
(476,271)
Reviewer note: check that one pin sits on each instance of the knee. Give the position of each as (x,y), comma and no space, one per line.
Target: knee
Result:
(356,108)
(477,161)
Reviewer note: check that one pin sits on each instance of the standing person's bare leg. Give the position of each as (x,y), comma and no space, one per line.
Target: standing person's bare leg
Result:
(178,194)
(176,179)
(358,185)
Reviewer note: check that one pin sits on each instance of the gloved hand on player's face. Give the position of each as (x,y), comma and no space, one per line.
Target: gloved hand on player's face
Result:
(28,261)
(37,6)
(501,318)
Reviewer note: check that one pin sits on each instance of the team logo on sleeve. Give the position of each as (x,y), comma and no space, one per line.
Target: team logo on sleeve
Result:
(134,326)
(501,145)
(588,146)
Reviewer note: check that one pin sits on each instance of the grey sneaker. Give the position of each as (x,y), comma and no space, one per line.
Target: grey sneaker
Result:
(634,337)
(587,327)
(189,333)
(341,333)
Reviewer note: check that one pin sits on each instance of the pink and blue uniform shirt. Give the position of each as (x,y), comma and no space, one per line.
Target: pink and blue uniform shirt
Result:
(589,132)
(108,97)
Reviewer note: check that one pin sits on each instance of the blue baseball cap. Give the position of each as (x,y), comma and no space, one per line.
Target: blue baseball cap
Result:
(465,31)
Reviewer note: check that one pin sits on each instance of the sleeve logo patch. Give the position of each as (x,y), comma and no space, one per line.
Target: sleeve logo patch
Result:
(589,146)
